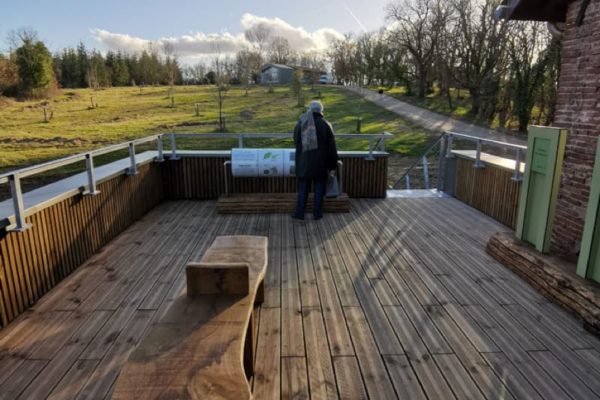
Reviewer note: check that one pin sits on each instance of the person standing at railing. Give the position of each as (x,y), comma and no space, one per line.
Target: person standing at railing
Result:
(316,158)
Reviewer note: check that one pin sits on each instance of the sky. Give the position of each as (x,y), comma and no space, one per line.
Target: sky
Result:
(194,28)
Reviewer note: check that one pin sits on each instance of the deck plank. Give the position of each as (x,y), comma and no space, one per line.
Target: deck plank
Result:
(369,304)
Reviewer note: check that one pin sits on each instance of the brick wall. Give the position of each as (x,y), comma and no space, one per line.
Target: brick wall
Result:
(578,109)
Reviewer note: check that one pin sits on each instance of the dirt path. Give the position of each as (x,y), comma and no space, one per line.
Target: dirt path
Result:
(432,120)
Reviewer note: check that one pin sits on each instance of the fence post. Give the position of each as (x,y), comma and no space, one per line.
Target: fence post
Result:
(159,146)
(133,166)
(407,182)
(241,141)
(382,146)
(89,166)
(478,163)
(425,171)
(173,148)
(517,175)
(18,205)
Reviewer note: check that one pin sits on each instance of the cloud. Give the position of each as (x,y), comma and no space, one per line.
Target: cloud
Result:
(200,45)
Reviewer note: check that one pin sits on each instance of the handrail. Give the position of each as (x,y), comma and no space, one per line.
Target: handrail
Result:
(61,162)
(445,141)
(486,141)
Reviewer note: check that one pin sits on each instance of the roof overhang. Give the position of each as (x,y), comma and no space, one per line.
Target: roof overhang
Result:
(533,10)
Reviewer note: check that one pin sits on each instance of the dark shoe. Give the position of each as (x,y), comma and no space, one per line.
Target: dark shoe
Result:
(317,217)
(300,217)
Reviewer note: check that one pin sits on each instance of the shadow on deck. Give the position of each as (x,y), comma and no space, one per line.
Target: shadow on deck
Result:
(397,299)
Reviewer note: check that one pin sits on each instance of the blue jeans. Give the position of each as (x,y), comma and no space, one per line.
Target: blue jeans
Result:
(319,188)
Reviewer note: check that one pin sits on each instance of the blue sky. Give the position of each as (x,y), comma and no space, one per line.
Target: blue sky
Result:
(63,23)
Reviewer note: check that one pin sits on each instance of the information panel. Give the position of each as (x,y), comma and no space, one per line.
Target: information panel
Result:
(244,162)
(289,162)
(270,162)
(263,162)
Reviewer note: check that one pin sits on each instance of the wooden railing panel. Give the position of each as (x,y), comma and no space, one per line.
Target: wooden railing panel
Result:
(64,235)
(203,178)
(491,190)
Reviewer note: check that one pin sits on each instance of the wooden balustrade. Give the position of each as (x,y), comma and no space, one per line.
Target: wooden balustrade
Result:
(65,234)
(491,190)
(203,177)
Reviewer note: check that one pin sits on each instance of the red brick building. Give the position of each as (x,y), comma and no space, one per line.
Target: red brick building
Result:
(577,108)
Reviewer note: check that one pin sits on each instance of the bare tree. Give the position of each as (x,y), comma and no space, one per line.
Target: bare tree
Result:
(280,51)
(480,43)
(258,36)
(418,26)
(222,82)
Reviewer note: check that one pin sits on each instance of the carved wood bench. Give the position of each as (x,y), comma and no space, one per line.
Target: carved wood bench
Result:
(203,347)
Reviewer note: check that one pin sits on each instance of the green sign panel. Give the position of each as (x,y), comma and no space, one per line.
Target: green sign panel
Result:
(540,155)
(540,185)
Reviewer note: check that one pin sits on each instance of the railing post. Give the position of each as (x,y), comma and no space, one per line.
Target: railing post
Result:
(478,163)
(89,166)
(159,146)
(441,165)
(425,171)
(18,205)
(517,175)
(449,146)
(241,141)
(133,164)
(407,182)
(370,156)
(382,145)
(173,148)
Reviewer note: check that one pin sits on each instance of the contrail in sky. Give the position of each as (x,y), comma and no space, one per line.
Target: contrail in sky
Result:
(354,16)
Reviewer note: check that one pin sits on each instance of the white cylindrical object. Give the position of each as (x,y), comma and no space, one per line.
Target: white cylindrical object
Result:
(270,162)
(244,162)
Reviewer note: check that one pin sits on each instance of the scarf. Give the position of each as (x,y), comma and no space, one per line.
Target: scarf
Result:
(308,131)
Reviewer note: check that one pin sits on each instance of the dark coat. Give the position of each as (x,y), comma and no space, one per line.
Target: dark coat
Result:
(314,164)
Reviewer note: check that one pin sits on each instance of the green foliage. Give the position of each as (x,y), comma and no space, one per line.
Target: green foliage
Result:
(34,68)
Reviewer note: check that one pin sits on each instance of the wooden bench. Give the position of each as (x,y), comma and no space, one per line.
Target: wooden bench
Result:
(203,346)
(269,203)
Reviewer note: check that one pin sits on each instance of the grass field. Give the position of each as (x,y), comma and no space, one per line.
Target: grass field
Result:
(127,113)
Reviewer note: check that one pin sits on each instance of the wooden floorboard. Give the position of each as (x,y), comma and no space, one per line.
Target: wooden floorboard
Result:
(396,299)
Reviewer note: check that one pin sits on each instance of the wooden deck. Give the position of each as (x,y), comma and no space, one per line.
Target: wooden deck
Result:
(397,299)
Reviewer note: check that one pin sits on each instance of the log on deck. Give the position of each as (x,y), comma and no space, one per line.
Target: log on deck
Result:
(554,278)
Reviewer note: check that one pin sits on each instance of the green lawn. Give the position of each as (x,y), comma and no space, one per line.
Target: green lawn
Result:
(126,113)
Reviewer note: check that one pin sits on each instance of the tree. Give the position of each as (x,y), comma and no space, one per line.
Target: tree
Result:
(480,43)
(9,78)
(296,86)
(280,51)
(418,26)
(527,68)
(258,36)
(34,68)
(222,80)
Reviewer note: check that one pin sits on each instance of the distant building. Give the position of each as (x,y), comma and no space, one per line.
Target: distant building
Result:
(276,74)
(283,74)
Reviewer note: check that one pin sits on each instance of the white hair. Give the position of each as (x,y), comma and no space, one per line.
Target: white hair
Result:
(316,106)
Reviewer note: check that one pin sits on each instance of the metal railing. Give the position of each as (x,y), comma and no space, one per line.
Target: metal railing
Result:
(376,140)
(376,143)
(443,147)
(14,177)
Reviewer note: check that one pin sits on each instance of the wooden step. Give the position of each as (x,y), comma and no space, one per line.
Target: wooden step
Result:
(275,203)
